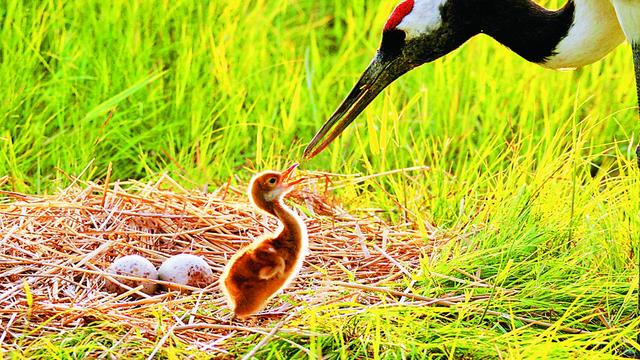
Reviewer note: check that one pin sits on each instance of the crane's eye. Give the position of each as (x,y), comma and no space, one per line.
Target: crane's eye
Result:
(272,181)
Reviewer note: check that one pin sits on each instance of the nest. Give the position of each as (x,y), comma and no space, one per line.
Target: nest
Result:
(54,249)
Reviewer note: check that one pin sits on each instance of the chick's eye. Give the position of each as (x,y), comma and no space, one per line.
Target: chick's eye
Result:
(272,181)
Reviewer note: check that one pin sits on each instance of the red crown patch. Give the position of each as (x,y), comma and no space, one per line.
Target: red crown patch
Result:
(402,10)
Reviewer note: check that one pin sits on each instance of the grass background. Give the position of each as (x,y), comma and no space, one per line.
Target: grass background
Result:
(532,171)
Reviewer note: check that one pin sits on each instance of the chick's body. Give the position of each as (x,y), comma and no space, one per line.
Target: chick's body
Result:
(259,271)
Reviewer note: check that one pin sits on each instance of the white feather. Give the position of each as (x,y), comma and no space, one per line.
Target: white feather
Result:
(629,15)
(594,33)
(425,17)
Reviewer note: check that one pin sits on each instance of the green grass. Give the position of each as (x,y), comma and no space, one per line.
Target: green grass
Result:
(532,170)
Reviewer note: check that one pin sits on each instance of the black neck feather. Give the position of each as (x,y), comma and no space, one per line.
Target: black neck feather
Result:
(525,27)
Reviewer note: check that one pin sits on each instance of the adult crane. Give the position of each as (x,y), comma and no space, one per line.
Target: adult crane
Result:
(421,31)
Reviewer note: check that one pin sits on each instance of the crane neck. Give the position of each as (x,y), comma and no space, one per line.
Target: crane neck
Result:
(292,226)
(579,33)
(525,27)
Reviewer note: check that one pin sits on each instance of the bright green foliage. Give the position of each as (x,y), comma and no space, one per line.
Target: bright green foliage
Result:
(532,170)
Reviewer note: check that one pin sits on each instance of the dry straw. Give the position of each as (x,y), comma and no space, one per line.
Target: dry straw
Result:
(54,248)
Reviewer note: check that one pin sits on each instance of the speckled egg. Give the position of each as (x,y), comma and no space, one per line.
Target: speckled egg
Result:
(186,269)
(132,265)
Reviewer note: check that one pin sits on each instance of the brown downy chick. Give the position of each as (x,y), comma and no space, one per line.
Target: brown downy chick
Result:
(257,272)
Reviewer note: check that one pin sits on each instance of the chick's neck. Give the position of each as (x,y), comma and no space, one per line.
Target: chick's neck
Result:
(292,226)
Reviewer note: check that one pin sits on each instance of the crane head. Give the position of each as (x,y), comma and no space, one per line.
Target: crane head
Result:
(270,186)
(417,32)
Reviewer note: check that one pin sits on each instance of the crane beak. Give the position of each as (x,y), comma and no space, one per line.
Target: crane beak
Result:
(378,75)
(289,173)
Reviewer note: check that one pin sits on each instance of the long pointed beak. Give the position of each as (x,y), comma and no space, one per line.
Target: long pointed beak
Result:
(378,75)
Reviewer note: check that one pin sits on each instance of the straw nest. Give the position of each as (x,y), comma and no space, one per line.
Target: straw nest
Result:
(54,249)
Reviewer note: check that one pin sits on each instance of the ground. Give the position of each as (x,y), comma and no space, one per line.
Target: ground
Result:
(528,173)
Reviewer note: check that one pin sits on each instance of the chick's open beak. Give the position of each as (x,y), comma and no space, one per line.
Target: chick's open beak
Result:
(288,174)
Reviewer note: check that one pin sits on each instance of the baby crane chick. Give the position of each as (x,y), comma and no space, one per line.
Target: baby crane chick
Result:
(259,271)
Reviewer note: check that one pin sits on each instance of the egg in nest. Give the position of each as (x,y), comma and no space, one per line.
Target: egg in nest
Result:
(135,266)
(186,269)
